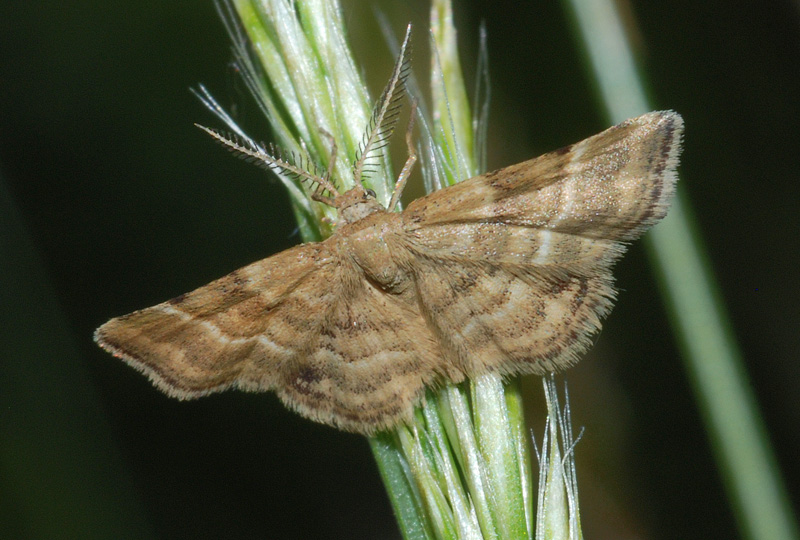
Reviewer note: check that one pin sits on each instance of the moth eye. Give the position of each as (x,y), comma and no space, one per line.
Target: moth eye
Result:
(372,194)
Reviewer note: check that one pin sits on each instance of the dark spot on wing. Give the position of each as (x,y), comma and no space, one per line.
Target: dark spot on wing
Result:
(563,150)
(177,300)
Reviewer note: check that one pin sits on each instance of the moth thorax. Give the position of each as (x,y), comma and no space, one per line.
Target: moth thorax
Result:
(356,204)
(374,255)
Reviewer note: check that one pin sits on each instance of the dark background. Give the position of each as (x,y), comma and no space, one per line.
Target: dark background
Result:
(111,201)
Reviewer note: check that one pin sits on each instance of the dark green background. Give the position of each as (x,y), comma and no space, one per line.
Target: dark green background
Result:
(110,200)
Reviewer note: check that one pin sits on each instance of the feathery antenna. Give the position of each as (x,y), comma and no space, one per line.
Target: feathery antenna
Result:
(302,171)
(386,111)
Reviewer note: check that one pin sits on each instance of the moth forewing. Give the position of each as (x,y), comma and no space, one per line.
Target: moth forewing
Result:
(508,272)
(612,185)
(239,330)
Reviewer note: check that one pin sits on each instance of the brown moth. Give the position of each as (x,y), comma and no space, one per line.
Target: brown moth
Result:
(506,272)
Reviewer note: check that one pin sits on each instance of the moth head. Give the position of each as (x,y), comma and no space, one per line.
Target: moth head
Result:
(357,204)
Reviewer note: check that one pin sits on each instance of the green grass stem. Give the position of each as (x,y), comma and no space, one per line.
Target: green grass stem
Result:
(697,313)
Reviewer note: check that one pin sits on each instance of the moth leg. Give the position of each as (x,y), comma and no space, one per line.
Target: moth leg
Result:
(410,161)
(334,149)
(317,195)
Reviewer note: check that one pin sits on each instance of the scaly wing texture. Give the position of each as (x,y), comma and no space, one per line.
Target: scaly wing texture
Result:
(514,271)
(241,330)
(613,185)
(493,308)
(371,361)
(305,323)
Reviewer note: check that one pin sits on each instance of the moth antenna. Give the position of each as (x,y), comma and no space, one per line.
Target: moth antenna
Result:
(256,154)
(386,111)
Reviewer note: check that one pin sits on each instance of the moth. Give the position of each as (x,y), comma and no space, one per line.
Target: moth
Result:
(507,272)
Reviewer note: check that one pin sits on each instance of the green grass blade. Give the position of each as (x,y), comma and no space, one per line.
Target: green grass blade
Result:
(402,494)
(698,316)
